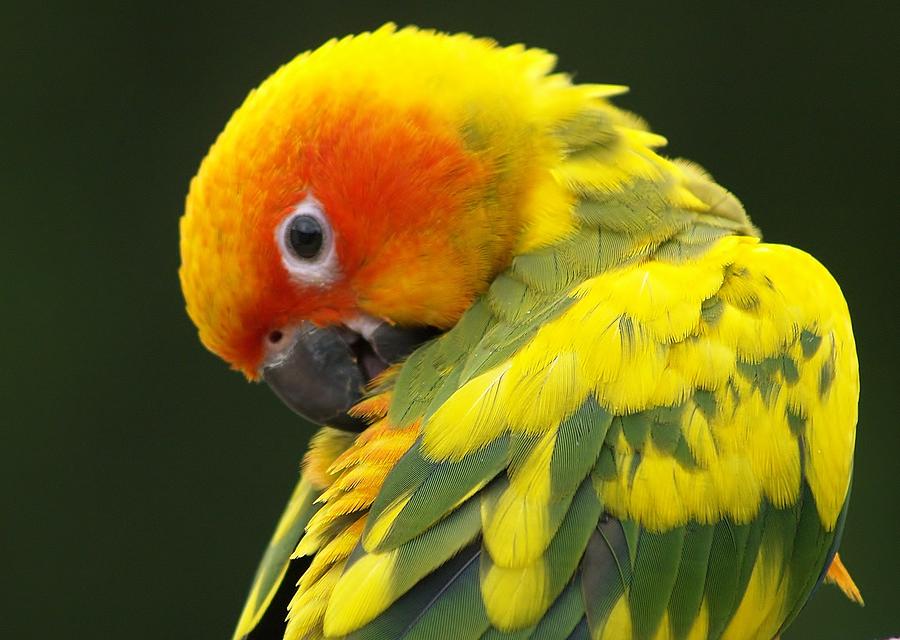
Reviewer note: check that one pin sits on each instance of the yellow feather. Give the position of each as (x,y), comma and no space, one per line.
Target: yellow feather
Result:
(702,361)
(652,489)
(698,436)
(760,613)
(774,451)
(514,598)
(604,90)
(382,526)
(469,419)
(336,550)
(548,198)
(664,631)
(516,520)
(307,607)
(362,592)
(541,387)
(700,628)
(324,448)
(618,625)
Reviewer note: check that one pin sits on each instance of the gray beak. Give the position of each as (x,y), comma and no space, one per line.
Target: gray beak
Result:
(326,369)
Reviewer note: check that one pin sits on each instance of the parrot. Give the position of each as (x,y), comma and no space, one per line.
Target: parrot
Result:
(559,386)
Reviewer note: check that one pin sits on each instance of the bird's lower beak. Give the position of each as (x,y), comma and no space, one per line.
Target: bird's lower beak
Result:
(323,371)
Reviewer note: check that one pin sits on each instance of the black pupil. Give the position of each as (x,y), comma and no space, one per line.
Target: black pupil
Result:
(305,236)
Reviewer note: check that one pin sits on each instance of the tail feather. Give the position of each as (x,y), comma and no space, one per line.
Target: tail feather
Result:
(838,574)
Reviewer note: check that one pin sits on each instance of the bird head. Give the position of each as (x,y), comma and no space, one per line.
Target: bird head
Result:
(358,201)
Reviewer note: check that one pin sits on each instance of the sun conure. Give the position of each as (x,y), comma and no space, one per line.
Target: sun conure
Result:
(563,389)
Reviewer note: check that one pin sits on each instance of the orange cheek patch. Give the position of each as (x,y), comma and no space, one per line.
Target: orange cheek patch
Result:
(401,191)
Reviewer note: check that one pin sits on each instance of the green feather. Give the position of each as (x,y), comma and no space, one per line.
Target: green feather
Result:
(809,343)
(424,553)
(789,371)
(605,469)
(711,310)
(605,572)
(771,528)
(796,422)
(706,402)
(495,634)
(581,632)
(579,254)
(438,488)
(761,376)
(615,248)
(636,428)
(567,547)
(417,384)
(542,270)
(813,545)
(683,455)
(448,598)
(615,430)
(665,428)
(588,135)
(504,339)
(654,574)
(724,584)
(827,374)
(690,243)
(687,593)
(446,388)
(632,534)
(562,618)
(577,446)
(270,575)
(638,211)
(513,301)
(426,370)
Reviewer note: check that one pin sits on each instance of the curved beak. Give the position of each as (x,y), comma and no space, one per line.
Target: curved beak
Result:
(321,372)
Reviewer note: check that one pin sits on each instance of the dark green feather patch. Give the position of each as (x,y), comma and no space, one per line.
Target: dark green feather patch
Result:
(654,575)
(577,446)
(687,593)
(605,571)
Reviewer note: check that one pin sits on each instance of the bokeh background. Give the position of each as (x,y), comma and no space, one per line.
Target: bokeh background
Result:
(140,479)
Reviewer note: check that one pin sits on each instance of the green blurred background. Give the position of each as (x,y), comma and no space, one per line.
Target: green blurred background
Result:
(141,478)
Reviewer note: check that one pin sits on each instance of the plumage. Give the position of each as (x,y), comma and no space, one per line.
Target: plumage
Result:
(639,421)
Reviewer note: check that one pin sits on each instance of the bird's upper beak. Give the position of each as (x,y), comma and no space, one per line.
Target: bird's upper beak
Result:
(321,372)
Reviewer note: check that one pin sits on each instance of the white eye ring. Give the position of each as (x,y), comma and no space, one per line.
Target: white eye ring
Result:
(320,270)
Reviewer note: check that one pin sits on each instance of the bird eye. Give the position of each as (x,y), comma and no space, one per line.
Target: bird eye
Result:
(305,236)
(306,242)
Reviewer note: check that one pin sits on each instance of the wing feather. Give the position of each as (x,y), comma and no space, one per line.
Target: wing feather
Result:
(644,431)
